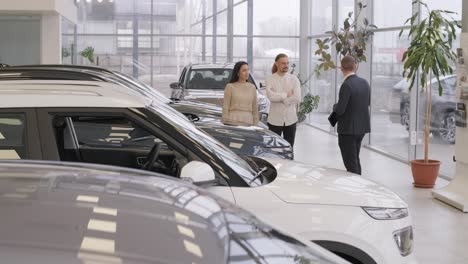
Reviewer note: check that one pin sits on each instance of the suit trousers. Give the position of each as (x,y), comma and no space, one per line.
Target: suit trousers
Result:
(288,132)
(350,146)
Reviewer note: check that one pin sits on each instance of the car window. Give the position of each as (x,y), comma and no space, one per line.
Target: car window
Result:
(450,86)
(115,141)
(199,137)
(209,79)
(12,136)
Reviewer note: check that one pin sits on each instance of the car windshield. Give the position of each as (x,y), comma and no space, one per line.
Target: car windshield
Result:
(209,79)
(144,88)
(236,163)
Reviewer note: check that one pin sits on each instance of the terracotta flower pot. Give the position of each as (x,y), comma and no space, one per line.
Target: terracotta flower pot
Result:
(425,174)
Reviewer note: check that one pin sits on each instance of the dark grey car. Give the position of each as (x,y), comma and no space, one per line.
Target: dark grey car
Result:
(82,213)
(206,83)
(245,141)
(443,108)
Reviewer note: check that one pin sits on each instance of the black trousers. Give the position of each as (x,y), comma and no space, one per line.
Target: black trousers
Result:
(288,132)
(350,146)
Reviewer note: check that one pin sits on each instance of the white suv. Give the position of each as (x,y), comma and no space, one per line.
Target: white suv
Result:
(97,122)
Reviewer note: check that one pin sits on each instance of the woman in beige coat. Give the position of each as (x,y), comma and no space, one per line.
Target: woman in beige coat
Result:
(240,98)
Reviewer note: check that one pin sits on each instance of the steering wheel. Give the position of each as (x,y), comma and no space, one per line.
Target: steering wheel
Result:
(152,156)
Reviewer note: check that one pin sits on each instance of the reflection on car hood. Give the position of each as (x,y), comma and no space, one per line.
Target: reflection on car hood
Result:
(73,214)
(257,135)
(199,109)
(308,184)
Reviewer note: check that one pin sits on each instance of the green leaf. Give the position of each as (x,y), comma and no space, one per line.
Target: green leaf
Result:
(346,25)
(338,46)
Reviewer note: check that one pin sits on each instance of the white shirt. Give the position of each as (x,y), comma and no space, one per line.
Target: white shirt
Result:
(349,74)
(283,109)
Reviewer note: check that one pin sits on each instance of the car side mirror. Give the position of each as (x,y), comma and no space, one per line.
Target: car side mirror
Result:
(197,172)
(174,85)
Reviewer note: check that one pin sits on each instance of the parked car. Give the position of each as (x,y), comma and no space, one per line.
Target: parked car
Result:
(206,83)
(443,108)
(72,213)
(97,122)
(253,141)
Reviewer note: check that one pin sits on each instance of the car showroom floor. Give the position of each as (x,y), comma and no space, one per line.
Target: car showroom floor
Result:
(441,231)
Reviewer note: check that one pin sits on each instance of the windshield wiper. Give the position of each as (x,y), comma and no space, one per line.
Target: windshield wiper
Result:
(259,174)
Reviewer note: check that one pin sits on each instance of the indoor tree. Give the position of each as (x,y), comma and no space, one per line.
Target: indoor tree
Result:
(429,54)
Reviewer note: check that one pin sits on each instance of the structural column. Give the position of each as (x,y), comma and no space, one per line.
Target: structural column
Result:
(250,15)
(305,45)
(51,39)
(456,193)
(230,30)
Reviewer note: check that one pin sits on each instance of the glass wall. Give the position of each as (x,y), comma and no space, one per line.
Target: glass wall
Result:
(390,99)
(154,39)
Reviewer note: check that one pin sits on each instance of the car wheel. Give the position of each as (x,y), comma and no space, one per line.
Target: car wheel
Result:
(448,128)
(405,115)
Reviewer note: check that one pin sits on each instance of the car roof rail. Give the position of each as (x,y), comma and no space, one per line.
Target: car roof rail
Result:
(61,66)
(7,74)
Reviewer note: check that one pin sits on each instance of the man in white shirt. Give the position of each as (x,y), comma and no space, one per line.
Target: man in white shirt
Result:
(284,91)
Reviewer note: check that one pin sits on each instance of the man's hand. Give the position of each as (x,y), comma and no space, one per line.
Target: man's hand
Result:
(290,93)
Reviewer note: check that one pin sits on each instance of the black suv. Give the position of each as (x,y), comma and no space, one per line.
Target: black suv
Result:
(443,108)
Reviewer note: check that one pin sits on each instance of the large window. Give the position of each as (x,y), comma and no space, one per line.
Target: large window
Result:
(12,136)
(392,13)
(390,98)
(280,18)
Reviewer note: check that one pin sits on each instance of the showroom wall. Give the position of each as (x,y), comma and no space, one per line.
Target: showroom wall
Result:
(31,30)
(153,40)
(20,42)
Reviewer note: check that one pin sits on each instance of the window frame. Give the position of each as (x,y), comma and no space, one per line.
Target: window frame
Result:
(31,142)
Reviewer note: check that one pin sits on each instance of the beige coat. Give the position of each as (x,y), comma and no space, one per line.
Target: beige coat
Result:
(240,104)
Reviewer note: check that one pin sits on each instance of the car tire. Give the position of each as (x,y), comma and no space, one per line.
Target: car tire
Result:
(448,128)
(405,115)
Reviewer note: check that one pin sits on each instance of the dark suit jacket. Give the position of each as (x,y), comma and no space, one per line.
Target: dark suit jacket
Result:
(352,109)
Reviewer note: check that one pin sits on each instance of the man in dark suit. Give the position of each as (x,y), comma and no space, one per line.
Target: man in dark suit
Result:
(352,112)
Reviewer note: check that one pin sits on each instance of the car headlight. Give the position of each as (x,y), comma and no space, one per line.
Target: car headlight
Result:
(386,213)
(404,240)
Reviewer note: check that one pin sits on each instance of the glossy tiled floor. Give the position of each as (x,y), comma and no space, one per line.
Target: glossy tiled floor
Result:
(441,232)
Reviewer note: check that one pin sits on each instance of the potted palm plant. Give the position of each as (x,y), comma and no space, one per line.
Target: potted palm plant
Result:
(429,56)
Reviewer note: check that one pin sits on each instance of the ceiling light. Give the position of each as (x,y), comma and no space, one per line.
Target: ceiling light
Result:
(98,244)
(103,226)
(86,198)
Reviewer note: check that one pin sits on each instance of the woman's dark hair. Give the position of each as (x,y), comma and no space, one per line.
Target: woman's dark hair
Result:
(235,72)
(278,57)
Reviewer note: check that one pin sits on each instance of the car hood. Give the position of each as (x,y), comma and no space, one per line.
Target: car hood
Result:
(258,135)
(199,109)
(302,183)
(194,94)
